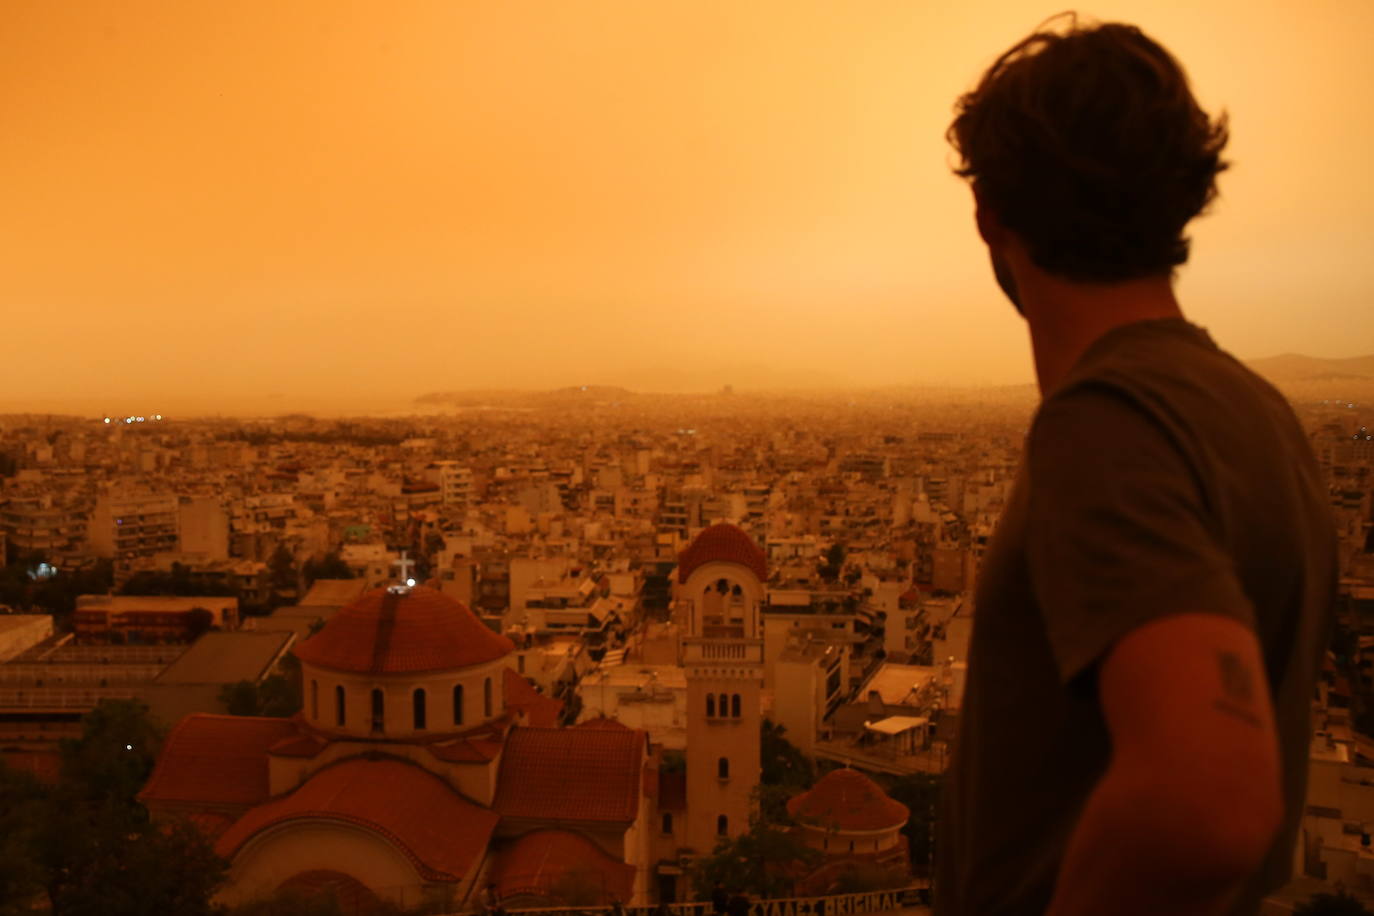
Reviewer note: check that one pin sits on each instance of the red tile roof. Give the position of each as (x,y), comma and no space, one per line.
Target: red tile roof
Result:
(722,543)
(385,632)
(847,800)
(541,711)
(216,759)
(540,863)
(571,774)
(441,832)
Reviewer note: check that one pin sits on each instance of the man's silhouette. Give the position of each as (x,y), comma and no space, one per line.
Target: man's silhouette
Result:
(1154,604)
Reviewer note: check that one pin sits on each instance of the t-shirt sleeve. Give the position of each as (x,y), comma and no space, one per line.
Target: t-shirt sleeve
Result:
(1118,532)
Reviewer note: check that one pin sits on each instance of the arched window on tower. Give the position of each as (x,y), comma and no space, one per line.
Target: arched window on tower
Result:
(417,701)
(486,699)
(339,705)
(315,700)
(723,768)
(457,704)
(710,705)
(722,825)
(734,705)
(378,709)
(723,704)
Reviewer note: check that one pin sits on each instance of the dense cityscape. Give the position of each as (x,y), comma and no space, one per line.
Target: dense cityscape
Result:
(577,648)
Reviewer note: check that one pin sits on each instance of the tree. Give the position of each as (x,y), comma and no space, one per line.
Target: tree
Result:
(278,696)
(89,845)
(115,754)
(156,868)
(1337,904)
(282,568)
(198,622)
(783,763)
(22,810)
(764,861)
(331,567)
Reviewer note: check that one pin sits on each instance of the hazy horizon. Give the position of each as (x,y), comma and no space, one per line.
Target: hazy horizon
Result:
(247,210)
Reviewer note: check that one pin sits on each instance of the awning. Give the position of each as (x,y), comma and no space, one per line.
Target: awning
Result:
(895,725)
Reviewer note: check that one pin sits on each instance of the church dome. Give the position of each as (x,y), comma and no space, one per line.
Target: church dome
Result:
(403,632)
(726,544)
(847,800)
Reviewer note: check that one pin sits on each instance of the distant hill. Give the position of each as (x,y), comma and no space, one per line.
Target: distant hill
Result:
(1294,367)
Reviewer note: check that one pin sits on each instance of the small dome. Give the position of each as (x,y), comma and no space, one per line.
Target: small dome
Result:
(722,543)
(848,800)
(386,632)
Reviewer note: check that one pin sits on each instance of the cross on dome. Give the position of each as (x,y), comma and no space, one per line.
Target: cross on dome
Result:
(405,564)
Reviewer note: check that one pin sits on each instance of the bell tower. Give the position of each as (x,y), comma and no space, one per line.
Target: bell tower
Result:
(720,602)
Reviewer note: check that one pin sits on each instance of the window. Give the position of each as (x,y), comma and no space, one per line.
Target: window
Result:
(667,822)
(378,709)
(722,825)
(418,702)
(851,845)
(710,704)
(486,698)
(315,700)
(723,704)
(338,705)
(723,768)
(520,664)
(734,705)
(457,704)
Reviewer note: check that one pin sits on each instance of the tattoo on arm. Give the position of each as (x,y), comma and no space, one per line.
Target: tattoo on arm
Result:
(1238,687)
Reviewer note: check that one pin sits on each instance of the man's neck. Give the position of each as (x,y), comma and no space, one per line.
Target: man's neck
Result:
(1066,318)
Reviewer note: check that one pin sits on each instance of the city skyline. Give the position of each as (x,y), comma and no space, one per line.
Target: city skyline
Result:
(305,208)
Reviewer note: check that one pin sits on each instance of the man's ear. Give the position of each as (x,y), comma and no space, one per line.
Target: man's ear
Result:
(989,227)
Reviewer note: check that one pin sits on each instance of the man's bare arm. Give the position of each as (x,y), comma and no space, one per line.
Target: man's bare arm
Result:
(1191,800)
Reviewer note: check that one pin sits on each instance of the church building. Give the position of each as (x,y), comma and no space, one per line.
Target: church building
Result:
(422,766)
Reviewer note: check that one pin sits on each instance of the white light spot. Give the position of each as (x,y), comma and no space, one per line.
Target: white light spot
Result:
(410,582)
(128,747)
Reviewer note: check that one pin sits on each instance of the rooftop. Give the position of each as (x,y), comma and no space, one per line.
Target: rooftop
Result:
(392,632)
(575,774)
(723,543)
(226,658)
(440,831)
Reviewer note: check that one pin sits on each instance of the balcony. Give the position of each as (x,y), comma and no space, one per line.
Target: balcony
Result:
(699,650)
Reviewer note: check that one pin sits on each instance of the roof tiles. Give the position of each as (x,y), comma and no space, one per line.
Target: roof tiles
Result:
(722,543)
(216,759)
(439,830)
(848,800)
(573,774)
(540,863)
(386,632)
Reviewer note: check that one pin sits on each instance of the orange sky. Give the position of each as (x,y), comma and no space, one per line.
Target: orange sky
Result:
(258,205)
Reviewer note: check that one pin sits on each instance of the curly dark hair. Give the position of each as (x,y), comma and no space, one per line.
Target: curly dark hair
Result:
(1090,147)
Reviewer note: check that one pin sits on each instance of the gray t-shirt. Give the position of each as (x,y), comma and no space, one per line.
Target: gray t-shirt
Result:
(1161,477)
